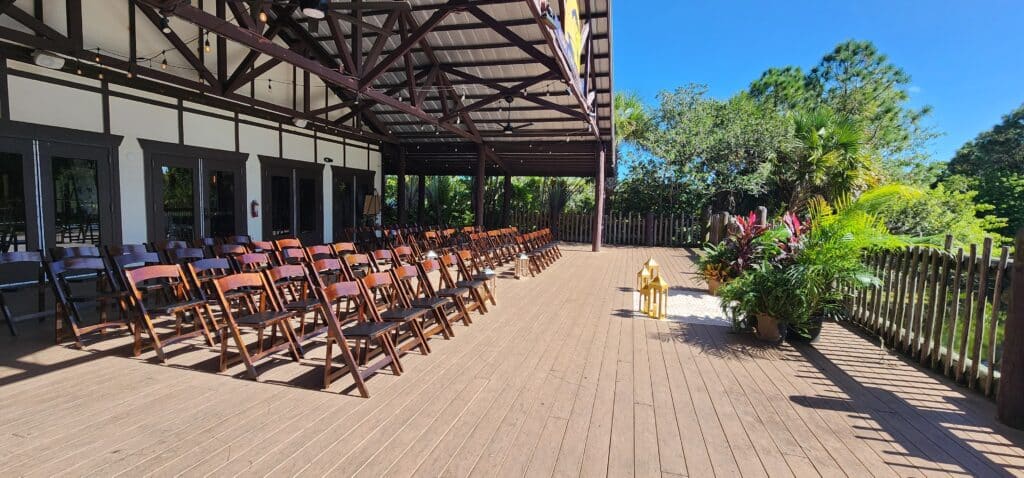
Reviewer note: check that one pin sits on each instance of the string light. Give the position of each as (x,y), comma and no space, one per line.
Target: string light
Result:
(263,16)
(97,58)
(206,44)
(163,63)
(270,87)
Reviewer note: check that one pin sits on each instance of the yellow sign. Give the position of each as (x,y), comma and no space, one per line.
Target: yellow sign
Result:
(573,32)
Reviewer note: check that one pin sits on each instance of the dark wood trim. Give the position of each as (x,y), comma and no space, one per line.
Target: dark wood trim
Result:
(153,150)
(105,93)
(280,162)
(161,147)
(108,143)
(5,103)
(296,170)
(186,109)
(181,122)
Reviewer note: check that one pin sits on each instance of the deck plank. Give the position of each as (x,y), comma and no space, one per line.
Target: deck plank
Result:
(561,378)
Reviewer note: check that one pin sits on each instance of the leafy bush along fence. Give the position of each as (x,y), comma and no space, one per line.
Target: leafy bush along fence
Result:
(945,309)
(625,229)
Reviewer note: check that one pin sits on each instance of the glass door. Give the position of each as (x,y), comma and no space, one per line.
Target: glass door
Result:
(292,200)
(343,199)
(19,229)
(191,197)
(175,200)
(224,198)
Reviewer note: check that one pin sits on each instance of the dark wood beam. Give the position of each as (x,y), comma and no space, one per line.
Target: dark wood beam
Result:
(182,48)
(499,95)
(413,38)
(340,44)
(328,73)
(239,77)
(502,29)
(386,30)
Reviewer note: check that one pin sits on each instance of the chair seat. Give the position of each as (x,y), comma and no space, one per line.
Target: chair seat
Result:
(400,315)
(472,284)
(303,305)
(80,298)
(263,318)
(367,330)
(168,309)
(453,292)
(431,302)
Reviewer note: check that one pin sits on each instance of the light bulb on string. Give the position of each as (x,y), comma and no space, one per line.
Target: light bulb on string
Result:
(270,87)
(97,57)
(263,16)
(163,63)
(206,44)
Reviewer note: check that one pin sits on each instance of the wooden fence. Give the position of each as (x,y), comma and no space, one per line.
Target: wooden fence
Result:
(624,229)
(943,308)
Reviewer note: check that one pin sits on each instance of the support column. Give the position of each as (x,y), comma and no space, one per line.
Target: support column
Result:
(421,199)
(1009,405)
(481,179)
(506,200)
(598,202)
(403,213)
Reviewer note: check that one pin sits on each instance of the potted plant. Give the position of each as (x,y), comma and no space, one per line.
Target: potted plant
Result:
(807,275)
(715,265)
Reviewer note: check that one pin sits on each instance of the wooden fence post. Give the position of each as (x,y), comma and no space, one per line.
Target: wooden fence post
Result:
(1009,405)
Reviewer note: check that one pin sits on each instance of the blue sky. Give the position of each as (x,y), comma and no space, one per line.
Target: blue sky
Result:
(966,58)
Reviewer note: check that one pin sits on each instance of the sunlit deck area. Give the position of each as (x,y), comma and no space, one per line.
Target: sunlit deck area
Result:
(560,378)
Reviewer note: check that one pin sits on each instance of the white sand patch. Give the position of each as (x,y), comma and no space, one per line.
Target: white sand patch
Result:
(689,307)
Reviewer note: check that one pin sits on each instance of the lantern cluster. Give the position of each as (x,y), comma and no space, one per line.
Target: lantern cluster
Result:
(653,290)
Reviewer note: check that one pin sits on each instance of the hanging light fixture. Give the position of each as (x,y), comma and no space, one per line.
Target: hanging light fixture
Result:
(263,16)
(165,25)
(163,62)
(315,9)
(206,44)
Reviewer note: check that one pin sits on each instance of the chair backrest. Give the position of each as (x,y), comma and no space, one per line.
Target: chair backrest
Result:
(253,261)
(229,250)
(383,257)
(170,275)
(75,251)
(121,249)
(81,269)
(206,242)
(240,240)
(261,246)
(344,302)
(318,252)
(127,262)
(404,254)
(293,256)
(282,244)
(253,286)
(290,283)
(188,254)
(357,265)
(328,271)
(343,248)
(203,271)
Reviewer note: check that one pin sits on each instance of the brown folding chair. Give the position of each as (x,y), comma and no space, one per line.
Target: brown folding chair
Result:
(460,298)
(258,312)
(81,281)
(386,299)
(293,256)
(470,275)
(346,299)
(118,250)
(404,255)
(20,272)
(417,294)
(357,265)
(184,303)
(383,260)
(295,292)
(328,271)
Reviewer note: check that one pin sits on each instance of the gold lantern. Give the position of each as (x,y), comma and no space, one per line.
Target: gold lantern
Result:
(522,266)
(658,293)
(642,278)
(652,265)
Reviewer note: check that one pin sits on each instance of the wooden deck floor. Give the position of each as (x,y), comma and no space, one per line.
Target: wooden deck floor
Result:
(560,379)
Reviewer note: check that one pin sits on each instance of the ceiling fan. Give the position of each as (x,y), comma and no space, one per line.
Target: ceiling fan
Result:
(507,128)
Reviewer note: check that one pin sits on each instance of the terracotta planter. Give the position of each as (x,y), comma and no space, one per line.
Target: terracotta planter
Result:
(713,286)
(767,328)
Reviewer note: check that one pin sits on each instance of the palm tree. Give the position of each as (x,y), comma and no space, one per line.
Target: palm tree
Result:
(827,156)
